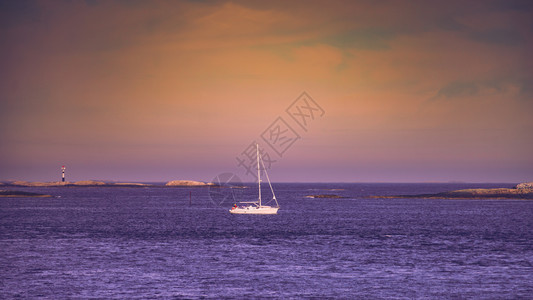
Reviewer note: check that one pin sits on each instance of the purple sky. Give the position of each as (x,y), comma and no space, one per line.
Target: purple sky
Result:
(408,91)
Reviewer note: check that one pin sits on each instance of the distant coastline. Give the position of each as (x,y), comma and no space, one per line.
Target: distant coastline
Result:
(96,183)
(520,191)
(87,183)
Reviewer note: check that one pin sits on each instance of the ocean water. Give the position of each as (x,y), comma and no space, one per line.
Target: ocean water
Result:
(112,242)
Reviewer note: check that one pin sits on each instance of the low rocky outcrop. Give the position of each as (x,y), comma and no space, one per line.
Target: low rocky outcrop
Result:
(187,183)
(525,185)
(521,191)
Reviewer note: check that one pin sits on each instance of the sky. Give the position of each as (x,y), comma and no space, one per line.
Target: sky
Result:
(333,91)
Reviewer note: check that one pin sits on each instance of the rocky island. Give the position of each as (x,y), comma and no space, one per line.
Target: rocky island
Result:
(520,191)
(188,183)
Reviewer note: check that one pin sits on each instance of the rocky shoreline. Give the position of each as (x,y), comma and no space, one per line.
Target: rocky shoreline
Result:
(521,191)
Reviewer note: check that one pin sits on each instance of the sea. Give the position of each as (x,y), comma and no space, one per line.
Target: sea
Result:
(182,243)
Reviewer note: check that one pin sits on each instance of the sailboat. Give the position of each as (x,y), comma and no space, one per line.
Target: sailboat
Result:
(256,207)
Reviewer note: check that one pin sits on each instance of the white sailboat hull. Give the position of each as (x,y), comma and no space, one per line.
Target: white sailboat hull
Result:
(255,207)
(255,210)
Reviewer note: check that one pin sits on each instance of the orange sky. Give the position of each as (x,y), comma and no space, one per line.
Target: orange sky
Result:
(164,90)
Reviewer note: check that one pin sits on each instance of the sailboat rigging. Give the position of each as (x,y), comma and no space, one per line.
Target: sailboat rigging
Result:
(256,207)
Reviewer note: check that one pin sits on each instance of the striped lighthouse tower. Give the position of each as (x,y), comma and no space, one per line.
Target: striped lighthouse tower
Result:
(63,174)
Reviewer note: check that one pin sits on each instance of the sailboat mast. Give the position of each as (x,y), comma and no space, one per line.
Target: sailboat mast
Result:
(258,172)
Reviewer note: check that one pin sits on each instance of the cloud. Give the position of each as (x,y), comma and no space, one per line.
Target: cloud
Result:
(15,13)
(450,23)
(366,38)
(498,36)
(515,87)
(458,89)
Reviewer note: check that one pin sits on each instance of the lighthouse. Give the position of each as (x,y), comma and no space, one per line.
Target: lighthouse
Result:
(63,174)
